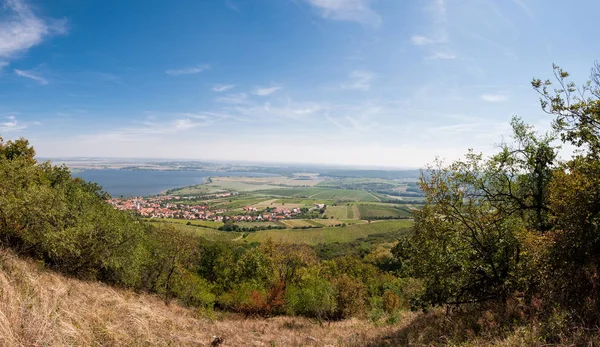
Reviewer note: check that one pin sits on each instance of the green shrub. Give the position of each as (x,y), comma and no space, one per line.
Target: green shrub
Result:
(390,301)
(312,297)
(350,296)
(193,290)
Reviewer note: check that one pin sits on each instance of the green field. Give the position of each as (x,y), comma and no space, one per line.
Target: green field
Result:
(321,194)
(259,224)
(378,211)
(328,222)
(291,223)
(200,189)
(209,234)
(330,234)
(202,223)
(337,212)
(354,229)
(234,202)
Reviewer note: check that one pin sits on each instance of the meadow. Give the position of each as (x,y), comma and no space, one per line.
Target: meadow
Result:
(345,217)
(317,193)
(383,211)
(348,233)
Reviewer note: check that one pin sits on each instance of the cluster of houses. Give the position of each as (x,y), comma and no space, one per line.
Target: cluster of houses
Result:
(161,207)
(168,207)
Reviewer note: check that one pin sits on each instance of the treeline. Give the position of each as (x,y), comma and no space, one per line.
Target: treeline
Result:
(65,223)
(516,237)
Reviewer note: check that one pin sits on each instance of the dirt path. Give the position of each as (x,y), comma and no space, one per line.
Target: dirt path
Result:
(356,211)
(378,199)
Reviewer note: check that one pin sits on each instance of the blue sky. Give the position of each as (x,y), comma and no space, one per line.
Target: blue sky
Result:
(361,82)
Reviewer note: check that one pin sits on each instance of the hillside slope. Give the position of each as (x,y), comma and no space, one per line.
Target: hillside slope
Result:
(39,307)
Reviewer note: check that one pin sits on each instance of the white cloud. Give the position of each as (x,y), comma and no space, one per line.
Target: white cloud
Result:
(187,71)
(442,55)
(494,97)
(10,124)
(420,40)
(22,29)
(240,98)
(151,128)
(264,91)
(347,10)
(222,87)
(437,26)
(31,75)
(361,80)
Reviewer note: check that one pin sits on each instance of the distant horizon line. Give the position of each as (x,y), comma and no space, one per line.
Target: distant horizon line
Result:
(238,162)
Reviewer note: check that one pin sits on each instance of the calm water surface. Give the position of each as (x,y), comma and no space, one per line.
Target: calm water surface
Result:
(149,182)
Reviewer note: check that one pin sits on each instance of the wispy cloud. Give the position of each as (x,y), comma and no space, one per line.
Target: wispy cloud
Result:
(22,29)
(232,6)
(32,75)
(442,55)
(525,8)
(420,40)
(151,127)
(494,97)
(187,70)
(437,27)
(360,80)
(347,10)
(10,124)
(240,98)
(264,91)
(222,87)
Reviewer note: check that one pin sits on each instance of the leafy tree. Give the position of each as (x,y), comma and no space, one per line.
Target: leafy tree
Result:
(466,244)
(172,253)
(572,251)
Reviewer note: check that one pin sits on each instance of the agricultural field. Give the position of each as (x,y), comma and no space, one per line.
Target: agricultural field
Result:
(345,218)
(202,223)
(259,224)
(259,183)
(354,212)
(200,189)
(273,203)
(338,212)
(298,223)
(326,232)
(210,234)
(232,203)
(381,211)
(331,194)
(328,222)
(348,233)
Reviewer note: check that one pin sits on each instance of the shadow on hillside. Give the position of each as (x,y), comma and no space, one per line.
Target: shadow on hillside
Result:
(440,327)
(424,329)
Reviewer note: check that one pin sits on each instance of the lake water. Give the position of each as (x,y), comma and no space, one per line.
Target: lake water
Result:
(149,182)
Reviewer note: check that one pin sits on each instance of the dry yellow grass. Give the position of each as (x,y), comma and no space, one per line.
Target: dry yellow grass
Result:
(41,308)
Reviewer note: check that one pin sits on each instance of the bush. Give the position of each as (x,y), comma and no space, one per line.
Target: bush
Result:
(245,298)
(350,298)
(193,290)
(312,297)
(390,301)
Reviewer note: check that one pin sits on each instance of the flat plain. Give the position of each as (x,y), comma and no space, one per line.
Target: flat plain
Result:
(338,210)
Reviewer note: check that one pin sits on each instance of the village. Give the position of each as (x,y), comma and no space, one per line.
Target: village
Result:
(172,206)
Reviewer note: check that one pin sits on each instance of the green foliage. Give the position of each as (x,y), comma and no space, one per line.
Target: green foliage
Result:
(390,301)
(465,244)
(229,225)
(351,295)
(313,296)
